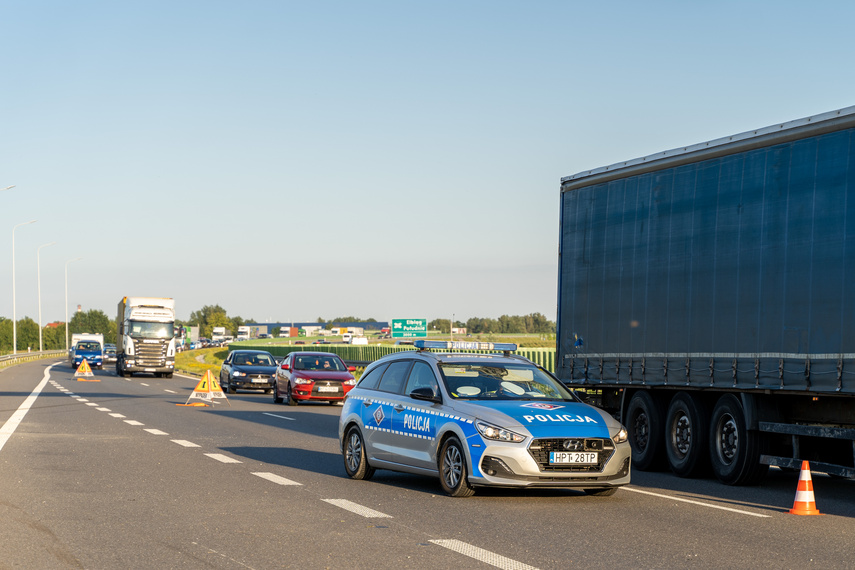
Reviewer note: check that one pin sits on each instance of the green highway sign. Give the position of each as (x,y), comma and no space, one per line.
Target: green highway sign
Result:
(409,328)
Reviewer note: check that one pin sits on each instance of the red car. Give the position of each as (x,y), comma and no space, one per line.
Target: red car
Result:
(319,376)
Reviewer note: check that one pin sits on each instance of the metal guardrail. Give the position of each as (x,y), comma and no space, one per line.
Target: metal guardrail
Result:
(13,359)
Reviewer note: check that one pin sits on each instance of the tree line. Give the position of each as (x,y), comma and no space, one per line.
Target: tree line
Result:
(534,323)
(210,316)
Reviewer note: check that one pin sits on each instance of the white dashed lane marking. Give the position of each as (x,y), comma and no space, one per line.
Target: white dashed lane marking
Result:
(134,423)
(143,384)
(153,431)
(281,417)
(357,509)
(92,404)
(276,479)
(222,458)
(185,443)
(170,391)
(117,415)
(104,409)
(485,556)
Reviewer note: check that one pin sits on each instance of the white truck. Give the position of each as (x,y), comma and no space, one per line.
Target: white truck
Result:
(145,340)
(243,333)
(218,334)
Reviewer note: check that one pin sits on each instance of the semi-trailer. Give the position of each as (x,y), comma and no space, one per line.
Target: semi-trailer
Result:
(706,297)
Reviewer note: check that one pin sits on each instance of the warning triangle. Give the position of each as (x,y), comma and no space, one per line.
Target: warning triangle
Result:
(207,390)
(85,370)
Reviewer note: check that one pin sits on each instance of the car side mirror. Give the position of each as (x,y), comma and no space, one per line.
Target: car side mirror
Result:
(285,366)
(425,394)
(351,368)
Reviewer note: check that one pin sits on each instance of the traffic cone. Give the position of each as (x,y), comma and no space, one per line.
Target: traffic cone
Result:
(804,504)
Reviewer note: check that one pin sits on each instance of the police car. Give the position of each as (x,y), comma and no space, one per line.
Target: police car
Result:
(478,420)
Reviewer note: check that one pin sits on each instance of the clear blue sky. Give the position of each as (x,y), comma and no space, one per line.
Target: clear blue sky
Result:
(289,160)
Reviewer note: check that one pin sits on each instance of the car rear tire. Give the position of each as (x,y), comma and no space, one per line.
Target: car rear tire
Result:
(355,459)
(601,492)
(277,399)
(453,474)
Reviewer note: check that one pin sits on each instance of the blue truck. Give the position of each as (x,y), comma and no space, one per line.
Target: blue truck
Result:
(706,297)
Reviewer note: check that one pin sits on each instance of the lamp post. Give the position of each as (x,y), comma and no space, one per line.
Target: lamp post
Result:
(39,283)
(7,188)
(66,299)
(14,315)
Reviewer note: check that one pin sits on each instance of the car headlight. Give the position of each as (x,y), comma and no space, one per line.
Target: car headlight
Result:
(620,436)
(500,434)
(351,382)
(238,373)
(302,380)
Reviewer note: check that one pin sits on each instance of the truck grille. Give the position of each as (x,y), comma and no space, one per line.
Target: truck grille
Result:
(539,450)
(150,354)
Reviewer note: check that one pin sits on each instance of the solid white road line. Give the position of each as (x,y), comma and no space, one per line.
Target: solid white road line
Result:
(719,507)
(281,417)
(15,420)
(276,479)
(485,556)
(185,443)
(356,508)
(153,431)
(222,458)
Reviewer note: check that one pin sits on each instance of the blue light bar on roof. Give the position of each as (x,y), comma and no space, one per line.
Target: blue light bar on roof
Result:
(460,345)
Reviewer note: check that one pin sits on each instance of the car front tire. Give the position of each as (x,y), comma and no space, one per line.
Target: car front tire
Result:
(277,399)
(452,469)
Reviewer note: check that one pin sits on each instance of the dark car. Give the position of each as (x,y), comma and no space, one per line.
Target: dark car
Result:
(318,376)
(109,354)
(249,370)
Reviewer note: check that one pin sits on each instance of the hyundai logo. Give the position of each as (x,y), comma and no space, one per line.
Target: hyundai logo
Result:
(574,444)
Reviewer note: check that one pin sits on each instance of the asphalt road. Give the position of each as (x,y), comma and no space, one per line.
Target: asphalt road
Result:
(113,474)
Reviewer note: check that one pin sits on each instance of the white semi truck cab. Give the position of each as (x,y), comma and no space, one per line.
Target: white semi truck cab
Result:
(145,340)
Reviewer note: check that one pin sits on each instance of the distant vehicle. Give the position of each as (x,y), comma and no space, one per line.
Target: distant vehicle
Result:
(346,338)
(321,342)
(359,340)
(243,333)
(109,354)
(218,334)
(248,370)
(317,376)
(77,337)
(479,420)
(89,350)
(263,335)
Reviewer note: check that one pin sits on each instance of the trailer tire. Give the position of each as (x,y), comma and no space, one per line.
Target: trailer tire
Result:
(686,436)
(734,450)
(644,426)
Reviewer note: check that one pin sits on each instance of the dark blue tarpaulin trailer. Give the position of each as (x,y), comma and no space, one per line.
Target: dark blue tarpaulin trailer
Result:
(707,297)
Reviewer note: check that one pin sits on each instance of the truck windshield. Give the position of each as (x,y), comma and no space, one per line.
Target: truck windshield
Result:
(140,329)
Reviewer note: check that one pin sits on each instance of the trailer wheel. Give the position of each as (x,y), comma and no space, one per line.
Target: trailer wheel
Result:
(644,425)
(686,435)
(734,450)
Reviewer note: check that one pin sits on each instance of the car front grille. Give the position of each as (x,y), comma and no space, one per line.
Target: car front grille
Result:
(539,450)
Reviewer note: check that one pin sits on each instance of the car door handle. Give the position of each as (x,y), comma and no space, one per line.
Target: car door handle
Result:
(366,403)
(399,408)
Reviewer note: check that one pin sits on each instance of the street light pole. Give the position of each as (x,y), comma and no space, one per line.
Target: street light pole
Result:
(14,315)
(66,299)
(7,188)
(39,283)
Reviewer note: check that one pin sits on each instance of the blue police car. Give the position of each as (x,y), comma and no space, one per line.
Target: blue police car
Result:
(475,419)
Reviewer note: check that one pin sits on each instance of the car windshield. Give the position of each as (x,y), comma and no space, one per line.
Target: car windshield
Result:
(141,329)
(242,359)
(310,362)
(88,346)
(492,381)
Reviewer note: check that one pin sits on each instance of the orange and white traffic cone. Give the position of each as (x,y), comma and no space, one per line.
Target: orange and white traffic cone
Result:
(804,504)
